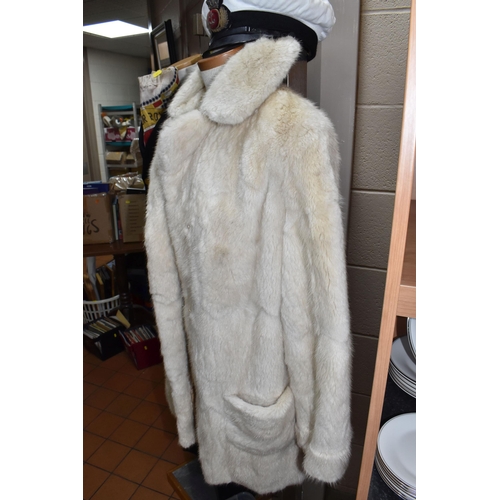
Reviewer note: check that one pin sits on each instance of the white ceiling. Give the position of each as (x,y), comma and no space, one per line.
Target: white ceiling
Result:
(132,11)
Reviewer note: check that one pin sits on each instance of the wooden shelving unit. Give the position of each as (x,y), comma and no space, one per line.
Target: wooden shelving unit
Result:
(126,111)
(400,288)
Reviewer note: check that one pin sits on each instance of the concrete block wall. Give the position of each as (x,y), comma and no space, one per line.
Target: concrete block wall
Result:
(383,45)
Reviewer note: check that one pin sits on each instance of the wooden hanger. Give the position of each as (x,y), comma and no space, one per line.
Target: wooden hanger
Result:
(218,60)
(187,61)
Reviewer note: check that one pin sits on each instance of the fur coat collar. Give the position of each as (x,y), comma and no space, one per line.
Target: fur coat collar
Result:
(242,84)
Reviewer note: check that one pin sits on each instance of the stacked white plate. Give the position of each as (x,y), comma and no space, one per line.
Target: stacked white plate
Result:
(395,459)
(403,367)
(411,327)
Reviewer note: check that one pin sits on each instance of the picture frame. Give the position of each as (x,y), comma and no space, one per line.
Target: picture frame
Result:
(163,45)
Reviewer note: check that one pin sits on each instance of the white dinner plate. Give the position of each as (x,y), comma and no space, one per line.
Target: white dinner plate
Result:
(412,335)
(403,359)
(402,490)
(408,386)
(412,391)
(396,446)
(402,379)
(394,480)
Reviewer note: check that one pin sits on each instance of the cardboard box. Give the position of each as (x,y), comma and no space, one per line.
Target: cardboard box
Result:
(116,157)
(132,208)
(97,219)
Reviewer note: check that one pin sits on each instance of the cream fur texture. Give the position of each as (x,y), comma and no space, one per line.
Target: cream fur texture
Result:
(247,271)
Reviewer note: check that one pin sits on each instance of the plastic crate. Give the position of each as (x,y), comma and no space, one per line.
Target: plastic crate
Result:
(94,309)
(105,344)
(143,352)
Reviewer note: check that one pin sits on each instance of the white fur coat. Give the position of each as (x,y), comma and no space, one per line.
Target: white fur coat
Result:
(246,262)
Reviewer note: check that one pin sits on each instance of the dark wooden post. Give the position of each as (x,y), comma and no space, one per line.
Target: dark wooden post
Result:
(297,78)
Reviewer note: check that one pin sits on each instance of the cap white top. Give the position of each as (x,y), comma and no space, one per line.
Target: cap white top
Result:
(317,14)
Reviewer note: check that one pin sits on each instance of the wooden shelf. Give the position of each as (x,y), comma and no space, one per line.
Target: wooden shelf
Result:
(115,248)
(118,249)
(124,145)
(408,287)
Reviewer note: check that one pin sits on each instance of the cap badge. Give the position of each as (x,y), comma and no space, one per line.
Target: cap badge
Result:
(218,16)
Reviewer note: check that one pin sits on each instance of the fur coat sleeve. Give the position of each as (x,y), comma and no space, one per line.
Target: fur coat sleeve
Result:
(167,298)
(314,280)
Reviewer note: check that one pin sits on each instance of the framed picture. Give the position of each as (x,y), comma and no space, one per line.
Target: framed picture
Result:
(163,44)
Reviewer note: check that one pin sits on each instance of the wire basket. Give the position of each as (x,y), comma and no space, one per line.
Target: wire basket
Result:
(93,309)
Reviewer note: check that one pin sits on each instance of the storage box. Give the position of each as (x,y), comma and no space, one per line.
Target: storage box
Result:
(97,219)
(107,344)
(115,134)
(132,209)
(143,352)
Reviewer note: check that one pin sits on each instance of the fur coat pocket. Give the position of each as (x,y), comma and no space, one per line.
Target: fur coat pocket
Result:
(261,430)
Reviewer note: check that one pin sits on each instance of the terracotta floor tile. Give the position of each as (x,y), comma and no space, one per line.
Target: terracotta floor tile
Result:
(90,357)
(166,421)
(136,466)
(146,412)
(115,488)
(98,375)
(175,495)
(119,381)
(157,395)
(156,373)
(176,454)
(147,494)
(101,398)
(157,479)
(116,361)
(112,469)
(90,444)
(88,389)
(129,432)
(105,424)
(87,368)
(123,405)
(109,455)
(130,369)
(139,388)
(89,414)
(93,478)
(155,442)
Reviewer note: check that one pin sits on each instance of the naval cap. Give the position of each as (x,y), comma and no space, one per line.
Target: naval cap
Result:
(229,22)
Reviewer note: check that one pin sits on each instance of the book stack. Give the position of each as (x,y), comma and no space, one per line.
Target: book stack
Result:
(100,285)
(138,334)
(100,326)
(105,278)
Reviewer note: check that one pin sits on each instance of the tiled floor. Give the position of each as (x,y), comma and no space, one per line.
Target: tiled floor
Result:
(129,435)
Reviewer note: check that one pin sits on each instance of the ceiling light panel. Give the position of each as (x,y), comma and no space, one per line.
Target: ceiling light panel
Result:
(114,29)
